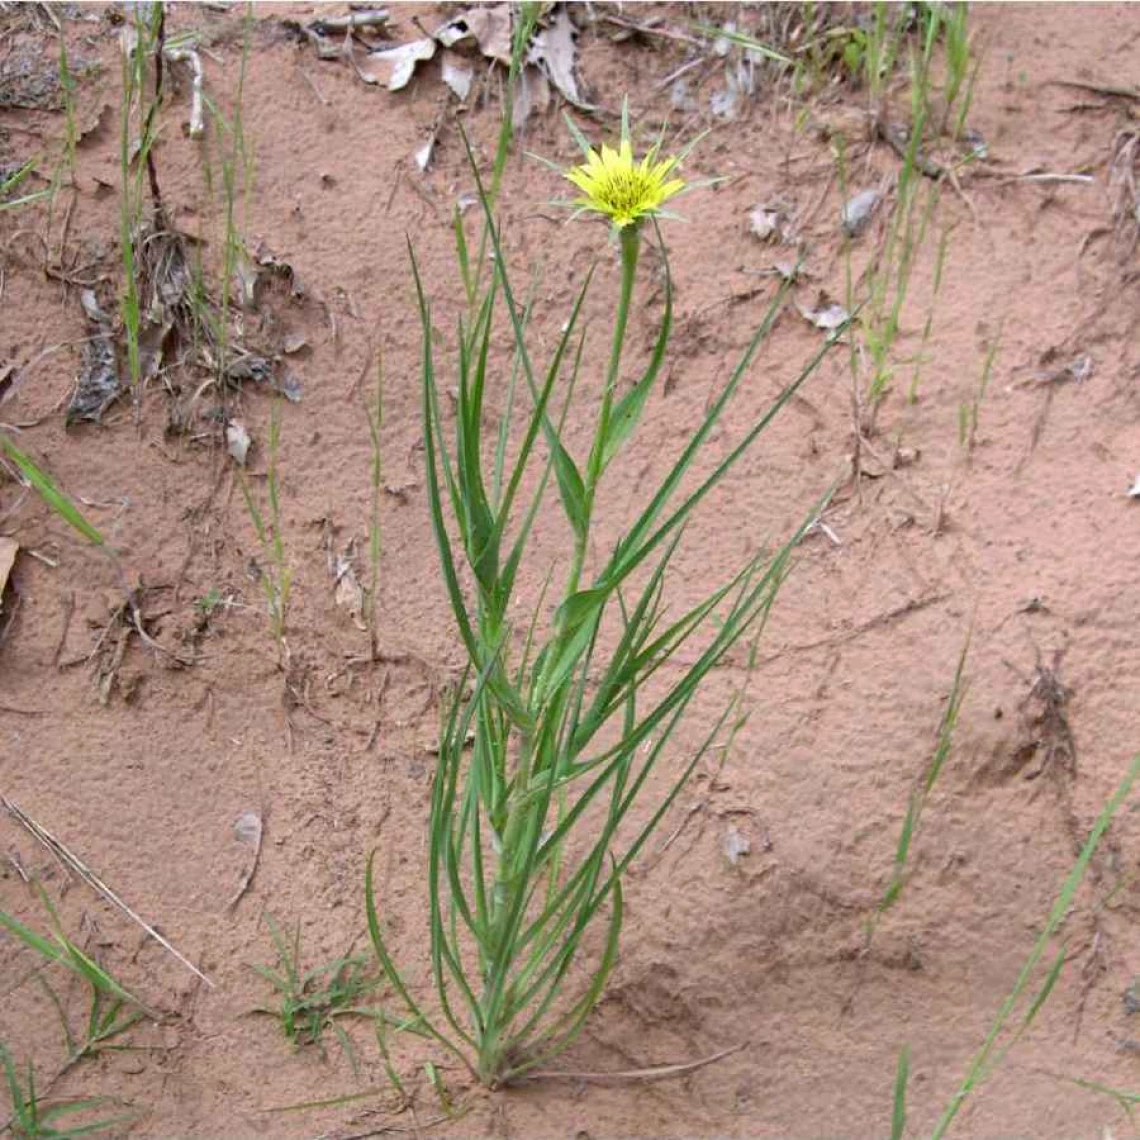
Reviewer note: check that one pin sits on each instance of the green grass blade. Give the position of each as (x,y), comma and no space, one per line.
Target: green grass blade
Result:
(980,1065)
(46,488)
(902,1075)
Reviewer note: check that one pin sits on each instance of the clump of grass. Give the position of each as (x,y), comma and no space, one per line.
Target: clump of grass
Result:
(888,280)
(943,744)
(894,34)
(994,1049)
(312,1002)
(902,1077)
(138,114)
(928,324)
(211,318)
(275,572)
(67,87)
(33,1118)
(1125,1101)
(237,170)
(48,490)
(375,415)
(10,181)
(962,66)
(545,749)
(111,1009)
(968,412)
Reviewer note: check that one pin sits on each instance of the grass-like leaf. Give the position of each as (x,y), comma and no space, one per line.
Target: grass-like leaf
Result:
(989,1056)
(33,1118)
(47,489)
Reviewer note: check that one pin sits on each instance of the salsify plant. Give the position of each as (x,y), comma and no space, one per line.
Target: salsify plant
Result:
(549,743)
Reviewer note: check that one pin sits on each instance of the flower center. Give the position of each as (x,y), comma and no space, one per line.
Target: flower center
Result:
(626,191)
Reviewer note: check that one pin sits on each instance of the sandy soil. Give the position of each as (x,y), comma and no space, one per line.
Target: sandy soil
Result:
(1024,541)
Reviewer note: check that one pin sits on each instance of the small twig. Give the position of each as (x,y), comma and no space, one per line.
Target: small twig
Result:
(93,881)
(68,613)
(372,18)
(18,867)
(313,86)
(39,556)
(819,526)
(1047,177)
(905,610)
(14,711)
(700,805)
(83,659)
(656,1073)
(383,1130)
(649,30)
(365,369)
(676,73)
(137,625)
(1107,90)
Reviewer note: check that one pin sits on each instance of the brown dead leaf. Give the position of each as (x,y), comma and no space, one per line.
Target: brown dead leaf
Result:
(490,28)
(553,50)
(393,67)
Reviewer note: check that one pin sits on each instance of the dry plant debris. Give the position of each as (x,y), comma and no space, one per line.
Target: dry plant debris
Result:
(551,57)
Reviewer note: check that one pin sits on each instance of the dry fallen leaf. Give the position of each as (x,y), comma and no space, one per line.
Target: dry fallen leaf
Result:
(723,103)
(457,74)
(393,67)
(828,317)
(289,386)
(681,97)
(554,51)
(857,211)
(1134,490)
(764,222)
(736,845)
(532,94)
(8,549)
(246,276)
(349,592)
(99,380)
(490,28)
(423,155)
(237,441)
(1079,369)
(248,829)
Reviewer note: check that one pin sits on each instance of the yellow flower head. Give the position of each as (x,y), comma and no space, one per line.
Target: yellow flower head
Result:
(612,183)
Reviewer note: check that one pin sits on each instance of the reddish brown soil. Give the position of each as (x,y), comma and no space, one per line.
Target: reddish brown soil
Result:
(1025,541)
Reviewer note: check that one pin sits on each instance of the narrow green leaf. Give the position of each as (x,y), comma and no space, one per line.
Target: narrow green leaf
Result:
(980,1065)
(570,485)
(49,492)
(902,1076)
(628,410)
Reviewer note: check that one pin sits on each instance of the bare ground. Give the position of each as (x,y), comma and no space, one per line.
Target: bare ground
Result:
(1025,541)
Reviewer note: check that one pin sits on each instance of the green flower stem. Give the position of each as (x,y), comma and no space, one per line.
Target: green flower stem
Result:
(630,237)
(537,757)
